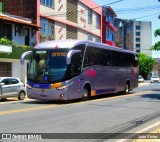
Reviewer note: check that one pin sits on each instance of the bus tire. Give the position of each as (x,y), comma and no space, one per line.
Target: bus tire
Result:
(85,94)
(126,91)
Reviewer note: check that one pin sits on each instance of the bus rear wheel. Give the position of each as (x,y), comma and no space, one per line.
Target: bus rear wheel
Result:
(126,91)
(85,94)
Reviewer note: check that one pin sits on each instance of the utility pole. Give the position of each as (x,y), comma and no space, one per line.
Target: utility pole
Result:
(124,33)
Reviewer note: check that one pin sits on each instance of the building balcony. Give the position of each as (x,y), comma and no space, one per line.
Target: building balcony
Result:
(111,27)
(110,43)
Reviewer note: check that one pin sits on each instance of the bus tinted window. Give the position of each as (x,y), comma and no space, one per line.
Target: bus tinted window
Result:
(88,57)
(131,60)
(134,60)
(116,60)
(95,56)
(80,47)
(108,58)
(105,57)
(75,66)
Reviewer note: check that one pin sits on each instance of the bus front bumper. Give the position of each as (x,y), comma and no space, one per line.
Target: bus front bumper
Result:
(47,94)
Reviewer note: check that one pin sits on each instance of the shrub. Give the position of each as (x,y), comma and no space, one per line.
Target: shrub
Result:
(5,41)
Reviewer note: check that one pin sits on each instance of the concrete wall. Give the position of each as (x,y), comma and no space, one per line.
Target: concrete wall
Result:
(83,19)
(58,11)
(25,8)
(145,36)
(18,70)
(60,30)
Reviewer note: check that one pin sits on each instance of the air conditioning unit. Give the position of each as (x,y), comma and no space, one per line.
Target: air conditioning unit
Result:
(22,32)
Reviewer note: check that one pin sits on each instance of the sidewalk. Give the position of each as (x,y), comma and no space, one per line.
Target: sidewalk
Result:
(146,82)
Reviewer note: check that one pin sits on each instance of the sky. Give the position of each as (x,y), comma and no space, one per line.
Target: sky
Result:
(140,10)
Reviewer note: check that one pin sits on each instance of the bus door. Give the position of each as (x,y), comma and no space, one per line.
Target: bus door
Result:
(75,81)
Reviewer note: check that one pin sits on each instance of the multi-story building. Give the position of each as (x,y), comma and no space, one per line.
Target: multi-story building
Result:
(70,19)
(143,37)
(134,35)
(22,31)
(60,19)
(17,22)
(66,19)
(108,28)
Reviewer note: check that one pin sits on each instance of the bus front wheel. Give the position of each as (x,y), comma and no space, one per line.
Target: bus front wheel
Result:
(85,94)
(126,91)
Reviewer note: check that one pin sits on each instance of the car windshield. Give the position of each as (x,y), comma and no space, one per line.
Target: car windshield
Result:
(47,65)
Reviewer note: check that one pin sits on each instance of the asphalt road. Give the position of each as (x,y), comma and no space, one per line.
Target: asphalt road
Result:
(105,114)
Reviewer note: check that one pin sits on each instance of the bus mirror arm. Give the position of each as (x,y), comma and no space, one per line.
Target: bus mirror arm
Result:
(70,54)
(24,55)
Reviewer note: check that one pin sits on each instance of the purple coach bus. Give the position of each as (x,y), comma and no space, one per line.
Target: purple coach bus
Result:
(71,69)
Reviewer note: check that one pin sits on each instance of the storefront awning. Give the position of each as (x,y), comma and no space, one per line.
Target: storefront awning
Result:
(9,19)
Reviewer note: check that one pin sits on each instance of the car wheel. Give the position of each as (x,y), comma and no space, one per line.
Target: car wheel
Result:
(127,89)
(21,95)
(85,94)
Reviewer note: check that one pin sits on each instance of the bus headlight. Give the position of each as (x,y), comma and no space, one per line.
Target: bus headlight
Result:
(28,86)
(61,88)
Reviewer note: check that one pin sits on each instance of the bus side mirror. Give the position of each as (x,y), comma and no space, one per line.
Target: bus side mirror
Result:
(70,54)
(24,55)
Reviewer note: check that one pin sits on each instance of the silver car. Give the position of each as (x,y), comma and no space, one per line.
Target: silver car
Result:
(155,79)
(12,87)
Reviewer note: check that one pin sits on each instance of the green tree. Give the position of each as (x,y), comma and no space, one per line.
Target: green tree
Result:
(146,64)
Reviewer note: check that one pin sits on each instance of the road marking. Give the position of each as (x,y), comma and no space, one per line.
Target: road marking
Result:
(26,109)
(122,96)
(11,100)
(51,106)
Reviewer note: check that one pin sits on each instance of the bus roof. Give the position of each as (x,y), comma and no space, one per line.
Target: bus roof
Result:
(71,43)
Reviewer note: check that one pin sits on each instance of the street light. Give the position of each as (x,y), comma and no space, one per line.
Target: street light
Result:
(122,25)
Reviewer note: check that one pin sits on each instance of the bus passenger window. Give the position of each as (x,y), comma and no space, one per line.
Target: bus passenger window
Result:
(109,60)
(89,61)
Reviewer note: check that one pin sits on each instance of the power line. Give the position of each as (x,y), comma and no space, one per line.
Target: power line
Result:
(63,14)
(87,9)
(151,18)
(146,16)
(137,9)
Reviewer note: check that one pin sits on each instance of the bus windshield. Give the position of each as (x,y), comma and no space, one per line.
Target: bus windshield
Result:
(47,66)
